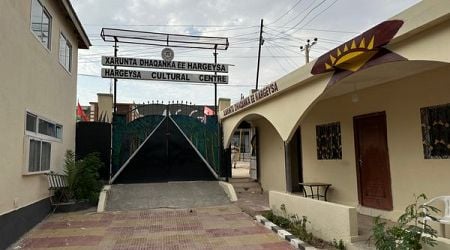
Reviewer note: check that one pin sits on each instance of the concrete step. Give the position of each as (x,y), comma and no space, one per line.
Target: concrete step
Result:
(245,184)
(240,180)
(248,190)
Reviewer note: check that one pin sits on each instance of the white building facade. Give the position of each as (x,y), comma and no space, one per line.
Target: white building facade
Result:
(38,80)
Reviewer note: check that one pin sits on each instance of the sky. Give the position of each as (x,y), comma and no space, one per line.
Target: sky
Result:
(287,26)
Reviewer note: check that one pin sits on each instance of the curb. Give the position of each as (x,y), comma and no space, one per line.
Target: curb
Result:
(102,199)
(297,243)
(229,190)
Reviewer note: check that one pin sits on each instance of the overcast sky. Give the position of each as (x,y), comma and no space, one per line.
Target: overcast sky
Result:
(287,25)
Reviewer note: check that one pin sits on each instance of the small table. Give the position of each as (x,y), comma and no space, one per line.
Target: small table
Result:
(315,188)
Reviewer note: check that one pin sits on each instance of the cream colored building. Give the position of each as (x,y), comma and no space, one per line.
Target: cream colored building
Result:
(371,117)
(38,78)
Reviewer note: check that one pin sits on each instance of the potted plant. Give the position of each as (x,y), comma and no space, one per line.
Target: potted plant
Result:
(83,181)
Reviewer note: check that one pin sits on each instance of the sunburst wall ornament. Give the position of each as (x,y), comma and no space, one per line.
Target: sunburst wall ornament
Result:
(356,54)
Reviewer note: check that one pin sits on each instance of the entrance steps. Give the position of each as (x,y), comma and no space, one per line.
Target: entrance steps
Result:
(251,198)
(243,185)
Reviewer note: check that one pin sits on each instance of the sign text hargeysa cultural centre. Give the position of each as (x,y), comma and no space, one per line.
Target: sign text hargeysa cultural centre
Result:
(163,76)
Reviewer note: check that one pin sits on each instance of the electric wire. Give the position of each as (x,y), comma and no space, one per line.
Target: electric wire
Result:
(299,14)
(318,14)
(287,12)
(277,61)
(307,14)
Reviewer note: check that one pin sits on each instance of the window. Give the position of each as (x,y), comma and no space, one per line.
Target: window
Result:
(436,131)
(40,134)
(328,138)
(65,53)
(47,128)
(39,155)
(38,126)
(31,122)
(41,23)
(58,131)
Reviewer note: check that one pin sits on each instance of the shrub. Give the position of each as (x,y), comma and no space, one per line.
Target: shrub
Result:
(83,176)
(410,232)
(338,244)
(278,220)
(297,226)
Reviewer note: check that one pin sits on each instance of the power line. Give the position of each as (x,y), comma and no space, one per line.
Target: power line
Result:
(169,25)
(296,38)
(226,57)
(287,12)
(318,14)
(299,14)
(289,60)
(277,61)
(313,29)
(307,14)
(284,47)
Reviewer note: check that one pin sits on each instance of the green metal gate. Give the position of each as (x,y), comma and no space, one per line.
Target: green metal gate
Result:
(136,128)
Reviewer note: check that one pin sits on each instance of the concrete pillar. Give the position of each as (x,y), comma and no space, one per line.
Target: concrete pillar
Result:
(105,107)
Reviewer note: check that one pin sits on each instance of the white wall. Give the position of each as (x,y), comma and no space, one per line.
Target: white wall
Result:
(271,157)
(328,221)
(410,172)
(31,78)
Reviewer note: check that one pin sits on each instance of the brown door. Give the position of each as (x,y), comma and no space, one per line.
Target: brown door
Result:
(372,161)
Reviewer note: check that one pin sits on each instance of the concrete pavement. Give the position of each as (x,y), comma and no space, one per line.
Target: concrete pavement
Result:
(178,215)
(190,194)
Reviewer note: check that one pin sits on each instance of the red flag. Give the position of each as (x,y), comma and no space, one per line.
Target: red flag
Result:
(80,114)
(207,111)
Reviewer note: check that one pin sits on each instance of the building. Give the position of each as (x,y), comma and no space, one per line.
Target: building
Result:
(38,79)
(242,141)
(370,117)
(102,110)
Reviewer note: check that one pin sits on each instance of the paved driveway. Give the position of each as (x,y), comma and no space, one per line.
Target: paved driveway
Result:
(186,194)
(219,227)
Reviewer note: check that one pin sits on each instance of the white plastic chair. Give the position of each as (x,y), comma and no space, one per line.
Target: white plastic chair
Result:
(445,219)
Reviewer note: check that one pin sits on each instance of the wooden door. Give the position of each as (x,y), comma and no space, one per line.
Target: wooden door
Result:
(372,161)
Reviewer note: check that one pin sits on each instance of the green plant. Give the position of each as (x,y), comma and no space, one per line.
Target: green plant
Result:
(410,232)
(338,244)
(70,170)
(83,177)
(297,225)
(298,228)
(278,220)
(293,223)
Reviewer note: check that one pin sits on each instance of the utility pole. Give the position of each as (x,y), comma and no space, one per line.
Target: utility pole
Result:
(261,42)
(116,49)
(215,80)
(307,48)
